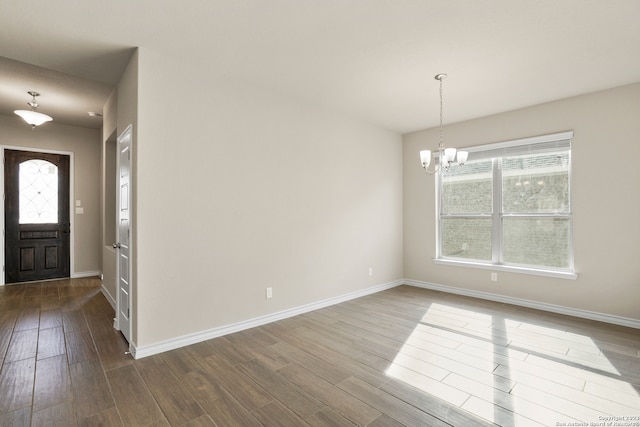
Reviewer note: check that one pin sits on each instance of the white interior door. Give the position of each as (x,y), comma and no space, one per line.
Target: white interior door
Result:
(123,245)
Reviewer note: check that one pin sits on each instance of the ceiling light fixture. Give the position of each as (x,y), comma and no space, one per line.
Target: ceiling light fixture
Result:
(447,156)
(32,116)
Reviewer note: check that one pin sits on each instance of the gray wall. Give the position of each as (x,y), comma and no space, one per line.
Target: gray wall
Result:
(605,192)
(85,144)
(253,190)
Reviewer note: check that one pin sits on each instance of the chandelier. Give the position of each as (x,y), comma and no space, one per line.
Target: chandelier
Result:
(447,156)
(32,116)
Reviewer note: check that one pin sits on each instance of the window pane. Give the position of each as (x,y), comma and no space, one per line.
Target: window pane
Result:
(467,189)
(38,192)
(536,241)
(536,183)
(468,238)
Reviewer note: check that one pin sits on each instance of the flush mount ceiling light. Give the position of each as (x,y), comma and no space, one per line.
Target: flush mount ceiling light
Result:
(446,156)
(32,116)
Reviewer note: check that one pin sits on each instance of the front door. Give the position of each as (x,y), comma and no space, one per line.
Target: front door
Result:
(37,227)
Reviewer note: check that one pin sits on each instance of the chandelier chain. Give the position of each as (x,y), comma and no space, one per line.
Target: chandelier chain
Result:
(441,115)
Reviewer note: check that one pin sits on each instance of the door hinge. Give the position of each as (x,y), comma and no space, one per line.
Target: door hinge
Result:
(128,313)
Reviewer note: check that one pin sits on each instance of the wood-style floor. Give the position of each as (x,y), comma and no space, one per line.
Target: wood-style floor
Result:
(403,357)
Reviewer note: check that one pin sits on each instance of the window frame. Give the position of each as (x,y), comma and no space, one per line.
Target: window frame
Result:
(496,152)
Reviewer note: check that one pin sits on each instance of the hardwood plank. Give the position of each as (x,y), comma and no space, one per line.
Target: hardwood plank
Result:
(199,350)
(53,384)
(17,418)
(112,349)
(161,423)
(389,405)
(50,289)
(494,414)
(50,302)
(349,361)
(23,345)
(31,302)
(58,415)
(107,418)
(274,413)
(8,318)
(80,346)
(624,394)
(204,388)
(431,402)
(341,402)
(202,421)
(90,389)
(436,388)
(611,404)
(385,421)
(51,343)
(317,365)
(295,399)
(449,360)
(243,389)
(28,318)
(230,351)
(554,403)
(257,344)
(612,382)
(5,339)
(132,397)
(74,321)
(180,362)
(10,303)
(100,323)
(229,413)
(326,417)
(16,383)
(176,403)
(216,401)
(50,319)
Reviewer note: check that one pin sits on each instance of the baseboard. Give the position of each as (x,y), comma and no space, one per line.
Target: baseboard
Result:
(108,296)
(82,274)
(150,350)
(559,309)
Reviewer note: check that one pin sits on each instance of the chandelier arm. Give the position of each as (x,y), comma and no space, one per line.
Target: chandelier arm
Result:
(435,170)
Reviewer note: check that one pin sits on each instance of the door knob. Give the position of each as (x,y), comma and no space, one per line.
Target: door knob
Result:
(116,246)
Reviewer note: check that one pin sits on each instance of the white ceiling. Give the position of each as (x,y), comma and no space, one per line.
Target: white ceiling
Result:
(372,59)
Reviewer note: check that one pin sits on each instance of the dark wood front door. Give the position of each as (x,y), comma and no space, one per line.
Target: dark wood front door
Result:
(37,227)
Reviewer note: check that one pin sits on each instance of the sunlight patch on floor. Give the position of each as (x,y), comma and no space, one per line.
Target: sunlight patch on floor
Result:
(511,372)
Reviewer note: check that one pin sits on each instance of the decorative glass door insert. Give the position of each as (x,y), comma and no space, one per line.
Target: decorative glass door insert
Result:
(38,192)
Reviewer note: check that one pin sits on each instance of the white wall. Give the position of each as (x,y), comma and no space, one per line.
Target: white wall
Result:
(108,184)
(85,144)
(606,202)
(248,190)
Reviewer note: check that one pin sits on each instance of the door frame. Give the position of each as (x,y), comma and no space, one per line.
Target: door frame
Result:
(72,199)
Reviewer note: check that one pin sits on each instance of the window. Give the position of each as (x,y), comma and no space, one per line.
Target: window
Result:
(509,207)
(38,192)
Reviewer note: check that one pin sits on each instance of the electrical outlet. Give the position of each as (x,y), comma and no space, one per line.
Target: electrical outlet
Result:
(269,293)
(494,277)
(370,271)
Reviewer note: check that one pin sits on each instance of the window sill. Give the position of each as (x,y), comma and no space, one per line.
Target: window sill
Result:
(510,269)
